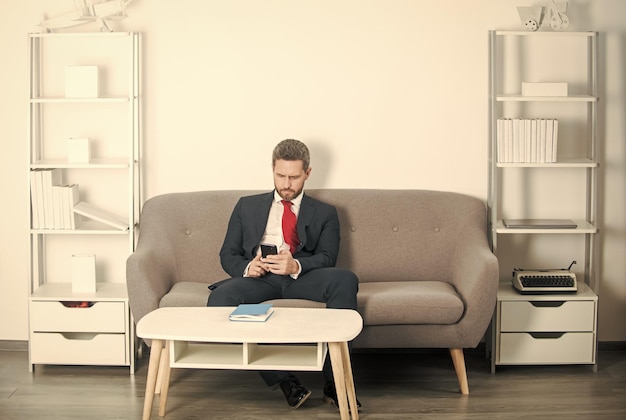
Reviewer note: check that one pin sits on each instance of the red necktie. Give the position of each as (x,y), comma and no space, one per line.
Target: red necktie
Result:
(289,227)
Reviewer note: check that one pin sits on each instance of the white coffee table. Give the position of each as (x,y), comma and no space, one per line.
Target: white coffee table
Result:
(291,339)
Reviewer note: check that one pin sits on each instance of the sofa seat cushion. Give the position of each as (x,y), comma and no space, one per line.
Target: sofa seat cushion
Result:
(379,303)
(186,293)
(409,303)
(189,293)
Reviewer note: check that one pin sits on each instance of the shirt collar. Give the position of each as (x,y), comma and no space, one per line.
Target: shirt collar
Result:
(295,202)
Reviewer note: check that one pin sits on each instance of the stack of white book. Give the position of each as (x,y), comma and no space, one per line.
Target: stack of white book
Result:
(52,202)
(526,140)
(55,205)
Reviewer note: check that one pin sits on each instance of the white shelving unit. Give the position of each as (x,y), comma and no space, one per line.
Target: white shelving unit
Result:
(533,190)
(67,327)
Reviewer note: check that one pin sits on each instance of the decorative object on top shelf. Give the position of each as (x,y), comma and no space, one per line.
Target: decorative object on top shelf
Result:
(87,11)
(532,17)
(558,18)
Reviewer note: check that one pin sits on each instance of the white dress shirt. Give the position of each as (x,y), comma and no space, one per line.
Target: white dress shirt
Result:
(274,229)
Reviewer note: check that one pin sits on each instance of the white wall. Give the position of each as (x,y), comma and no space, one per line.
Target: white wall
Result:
(387,94)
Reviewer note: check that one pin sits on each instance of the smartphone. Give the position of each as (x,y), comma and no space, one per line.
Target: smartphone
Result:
(267,249)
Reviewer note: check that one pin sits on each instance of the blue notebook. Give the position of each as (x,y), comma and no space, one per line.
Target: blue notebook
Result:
(255,312)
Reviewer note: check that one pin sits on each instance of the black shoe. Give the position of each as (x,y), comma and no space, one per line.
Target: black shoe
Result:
(330,395)
(294,392)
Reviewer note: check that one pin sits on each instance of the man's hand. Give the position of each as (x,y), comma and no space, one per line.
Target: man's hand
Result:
(257,268)
(282,264)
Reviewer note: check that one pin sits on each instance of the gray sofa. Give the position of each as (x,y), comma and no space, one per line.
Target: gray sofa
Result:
(427,278)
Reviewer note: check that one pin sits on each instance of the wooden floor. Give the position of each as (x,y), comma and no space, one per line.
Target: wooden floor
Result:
(390,385)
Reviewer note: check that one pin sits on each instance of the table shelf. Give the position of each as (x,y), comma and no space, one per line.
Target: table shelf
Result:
(306,357)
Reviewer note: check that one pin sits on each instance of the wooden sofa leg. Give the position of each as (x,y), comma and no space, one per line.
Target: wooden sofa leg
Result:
(459,366)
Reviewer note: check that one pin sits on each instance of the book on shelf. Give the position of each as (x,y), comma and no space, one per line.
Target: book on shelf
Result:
(45,198)
(50,177)
(252,312)
(534,140)
(104,216)
(58,205)
(555,135)
(540,139)
(526,140)
(36,199)
(71,199)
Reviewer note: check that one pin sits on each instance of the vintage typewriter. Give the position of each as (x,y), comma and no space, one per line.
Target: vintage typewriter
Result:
(538,281)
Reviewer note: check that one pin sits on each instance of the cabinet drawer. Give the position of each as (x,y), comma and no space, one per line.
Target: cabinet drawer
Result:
(78,349)
(548,316)
(538,348)
(56,317)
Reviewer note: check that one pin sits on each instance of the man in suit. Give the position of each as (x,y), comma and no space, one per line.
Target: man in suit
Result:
(303,268)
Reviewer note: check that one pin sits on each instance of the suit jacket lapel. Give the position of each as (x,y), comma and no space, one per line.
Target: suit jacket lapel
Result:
(307,211)
(265,203)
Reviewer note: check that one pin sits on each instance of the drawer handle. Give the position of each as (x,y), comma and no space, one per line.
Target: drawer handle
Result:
(546,335)
(547,303)
(77,304)
(81,336)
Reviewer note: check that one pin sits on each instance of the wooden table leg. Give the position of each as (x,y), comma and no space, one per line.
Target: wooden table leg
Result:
(165,385)
(162,362)
(153,370)
(347,371)
(340,376)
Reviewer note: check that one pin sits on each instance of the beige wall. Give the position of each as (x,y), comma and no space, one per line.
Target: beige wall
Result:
(388,94)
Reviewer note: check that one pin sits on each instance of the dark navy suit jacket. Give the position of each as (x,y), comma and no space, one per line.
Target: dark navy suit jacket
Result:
(318,231)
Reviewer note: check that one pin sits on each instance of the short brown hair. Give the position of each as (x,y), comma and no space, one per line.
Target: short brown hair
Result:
(290,149)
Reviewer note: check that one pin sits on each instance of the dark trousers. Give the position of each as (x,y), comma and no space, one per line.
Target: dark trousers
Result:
(334,286)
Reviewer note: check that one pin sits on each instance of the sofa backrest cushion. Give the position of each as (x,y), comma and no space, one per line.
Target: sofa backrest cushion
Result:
(386,235)
(403,235)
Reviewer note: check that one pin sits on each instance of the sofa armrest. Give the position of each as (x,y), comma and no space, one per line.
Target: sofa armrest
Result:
(149,276)
(475,275)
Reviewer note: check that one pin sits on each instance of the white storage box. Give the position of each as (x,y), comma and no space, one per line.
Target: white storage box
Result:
(78,150)
(83,273)
(81,82)
(544,89)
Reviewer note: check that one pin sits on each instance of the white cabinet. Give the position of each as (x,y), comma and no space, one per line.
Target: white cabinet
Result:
(525,185)
(93,330)
(83,131)
(544,329)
